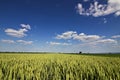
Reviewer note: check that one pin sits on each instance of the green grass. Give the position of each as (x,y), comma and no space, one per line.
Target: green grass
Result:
(58,67)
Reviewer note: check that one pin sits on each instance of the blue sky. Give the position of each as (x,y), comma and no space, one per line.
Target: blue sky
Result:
(60,25)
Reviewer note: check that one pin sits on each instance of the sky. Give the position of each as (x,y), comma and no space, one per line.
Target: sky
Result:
(90,26)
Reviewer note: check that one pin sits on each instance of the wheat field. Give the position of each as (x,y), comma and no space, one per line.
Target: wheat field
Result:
(58,67)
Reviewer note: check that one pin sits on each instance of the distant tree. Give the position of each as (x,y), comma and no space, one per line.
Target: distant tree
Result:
(80,52)
(109,53)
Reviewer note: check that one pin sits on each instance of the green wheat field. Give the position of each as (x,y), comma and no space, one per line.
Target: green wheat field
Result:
(25,66)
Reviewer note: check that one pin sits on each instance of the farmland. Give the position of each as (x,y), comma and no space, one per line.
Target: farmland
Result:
(26,66)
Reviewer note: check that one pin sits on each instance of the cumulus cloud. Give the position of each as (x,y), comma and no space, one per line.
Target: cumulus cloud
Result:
(26,26)
(116,36)
(18,33)
(66,35)
(117,13)
(74,35)
(96,9)
(8,41)
(86,38)
(58,43)
(24,42)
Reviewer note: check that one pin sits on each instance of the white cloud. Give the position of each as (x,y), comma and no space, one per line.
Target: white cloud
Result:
(96,9)
(99,42)
(18,41)
(24,42)
(26,26)
(117,13)
(105,21)
(86,38)
(116,36)
(80,9)
(18,33)
(66,35)
(8,41)
(106,41)
(58,43)
(74,35)
(85,0)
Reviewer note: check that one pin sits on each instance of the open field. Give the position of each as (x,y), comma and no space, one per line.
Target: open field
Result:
(59,67)
(104,55)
